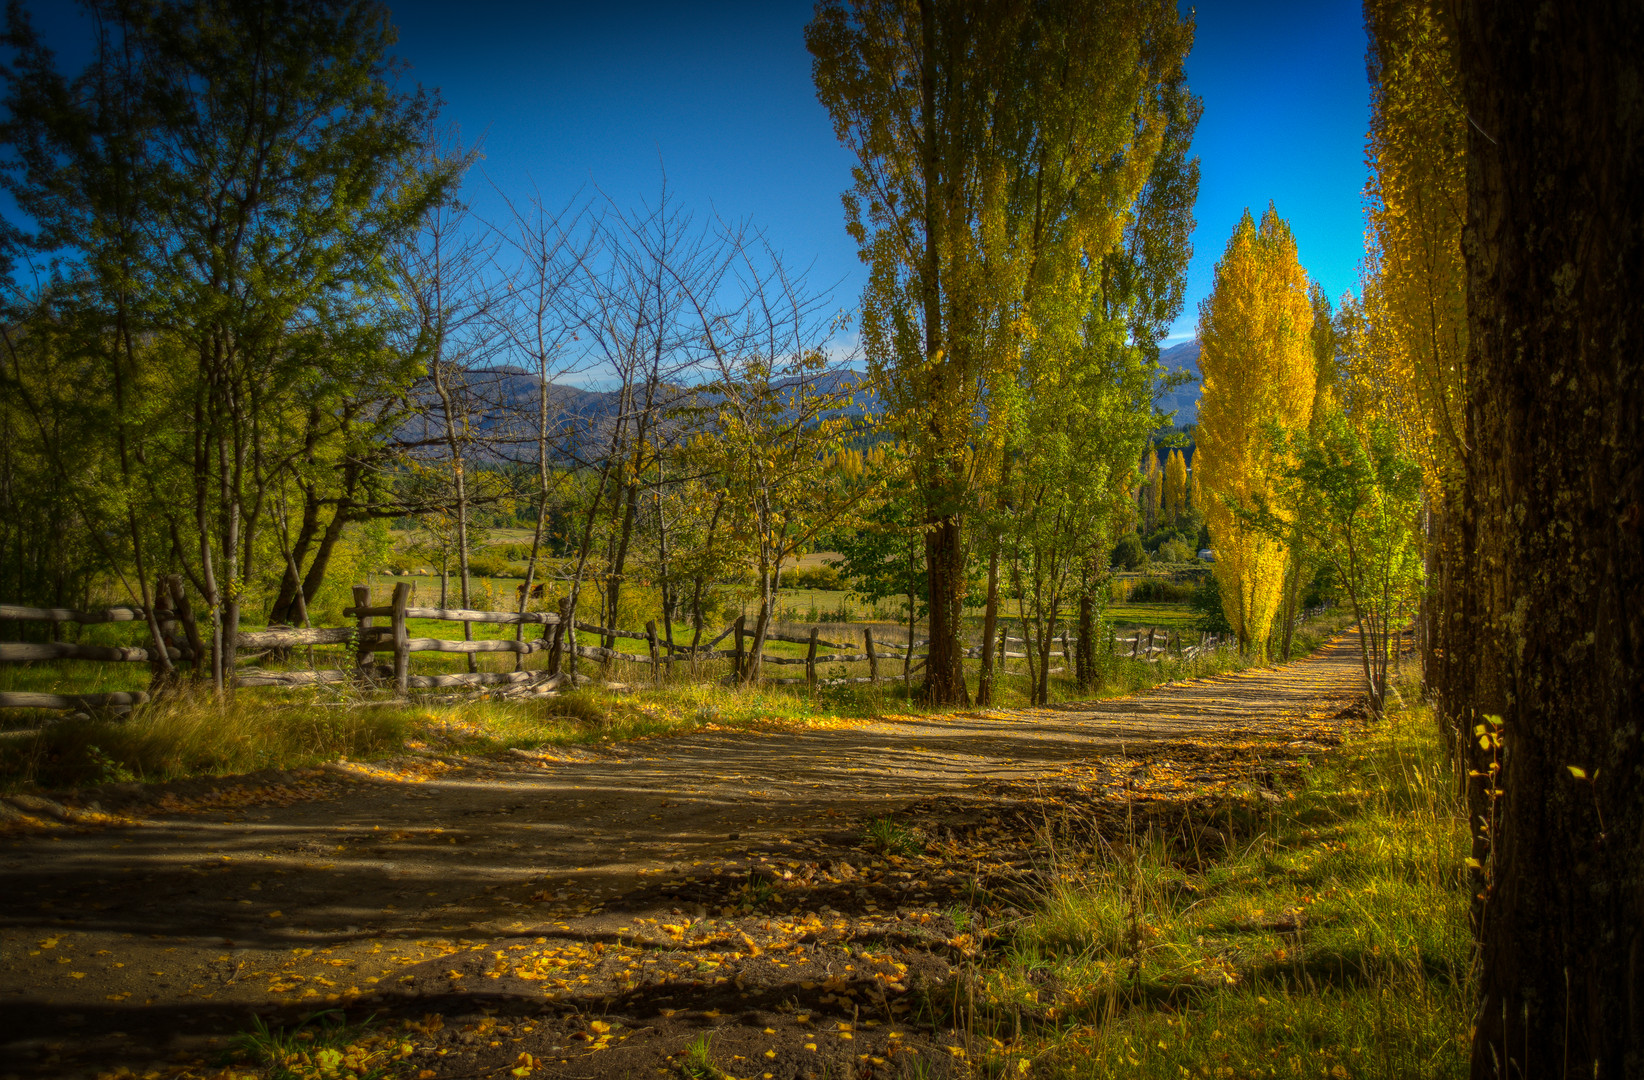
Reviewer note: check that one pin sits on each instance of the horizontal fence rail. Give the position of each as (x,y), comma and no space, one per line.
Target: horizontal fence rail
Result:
(18,613)
(368,638)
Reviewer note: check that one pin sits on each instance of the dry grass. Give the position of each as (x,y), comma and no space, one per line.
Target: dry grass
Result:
(1325,938)
(267,728)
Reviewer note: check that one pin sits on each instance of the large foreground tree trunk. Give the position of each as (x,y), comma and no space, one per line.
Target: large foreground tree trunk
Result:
(945,563)
(1555,252)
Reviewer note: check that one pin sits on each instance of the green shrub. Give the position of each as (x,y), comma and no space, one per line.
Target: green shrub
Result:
(1154,590)
(1321,591)
(491,566)
(1128,553)
(1176,550)
(1207,601)
(826,576)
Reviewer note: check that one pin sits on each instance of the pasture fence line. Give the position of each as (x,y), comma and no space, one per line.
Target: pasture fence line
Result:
(369,639)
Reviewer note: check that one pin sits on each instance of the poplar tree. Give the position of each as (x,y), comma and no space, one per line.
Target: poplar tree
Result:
(1255,334)
(1408,361)
(1152,488)
(1002,151)
(1176,484)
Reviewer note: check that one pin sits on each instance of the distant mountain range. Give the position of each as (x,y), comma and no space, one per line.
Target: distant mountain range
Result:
(502,404)
(1184,399)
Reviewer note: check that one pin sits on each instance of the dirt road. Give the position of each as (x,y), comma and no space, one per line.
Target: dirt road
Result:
(594,910)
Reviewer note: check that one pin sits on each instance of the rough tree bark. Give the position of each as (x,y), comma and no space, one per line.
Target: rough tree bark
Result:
(1555,250)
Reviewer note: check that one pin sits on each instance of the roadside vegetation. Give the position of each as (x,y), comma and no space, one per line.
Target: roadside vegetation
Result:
(1322,932)
(266,728)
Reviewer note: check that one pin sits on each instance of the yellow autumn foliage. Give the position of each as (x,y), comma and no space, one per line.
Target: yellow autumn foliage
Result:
(1175,486)
(1256,359)
(1407,339)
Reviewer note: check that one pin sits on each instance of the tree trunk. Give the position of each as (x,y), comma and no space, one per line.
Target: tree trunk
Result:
(990,627)
(1292,594)
(1555,258)
(619,558)
(1085,665)
(945,565)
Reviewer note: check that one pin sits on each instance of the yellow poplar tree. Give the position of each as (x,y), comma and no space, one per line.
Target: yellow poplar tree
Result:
(1405,345)
(1153,489)
(1412,370)
(1176,484)
(1256,358)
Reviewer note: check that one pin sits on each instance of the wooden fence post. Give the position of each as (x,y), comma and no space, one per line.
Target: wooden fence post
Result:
(556,650)
(741,653)
(810,663)
(1136,644)
(1150,632)
(650,639)
(362,624)
(873,657)
(402,640)
(1067,654)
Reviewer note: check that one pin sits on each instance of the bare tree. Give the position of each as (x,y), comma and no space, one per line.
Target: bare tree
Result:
(450,297)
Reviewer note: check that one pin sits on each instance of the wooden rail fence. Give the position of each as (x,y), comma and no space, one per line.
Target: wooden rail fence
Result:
(183,642)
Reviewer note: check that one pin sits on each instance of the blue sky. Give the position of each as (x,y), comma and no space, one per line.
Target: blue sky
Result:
(605,96)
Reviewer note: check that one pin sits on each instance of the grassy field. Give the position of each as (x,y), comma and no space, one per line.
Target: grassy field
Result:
(1163,616)
(1324,935)
(268,727)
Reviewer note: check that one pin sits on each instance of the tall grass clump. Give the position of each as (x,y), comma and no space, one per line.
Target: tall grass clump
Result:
(1324,935)
(195,735)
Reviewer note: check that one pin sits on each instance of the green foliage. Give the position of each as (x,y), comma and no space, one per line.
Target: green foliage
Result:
(221,311)
(1322,936)
(1154,590)
(1207,602)
(1355,497)
(884,557)
(494,566)
(324,1046)
(1024,211)
(1322,589)
(1128,553)
(890,837)
(1176,550)
(697,1060)
(826,577)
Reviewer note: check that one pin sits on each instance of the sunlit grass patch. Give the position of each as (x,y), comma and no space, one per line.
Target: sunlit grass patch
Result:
(1323,936)
(890,837)
(322,1047)
(195,735)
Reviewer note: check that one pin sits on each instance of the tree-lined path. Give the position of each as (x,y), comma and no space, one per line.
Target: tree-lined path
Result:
(711,881)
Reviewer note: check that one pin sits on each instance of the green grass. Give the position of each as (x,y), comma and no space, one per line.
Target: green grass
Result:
(696,1062)
(890,837)
(267,728)
(1163,616)
(1325,938)
(322,1047)
(272,728)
